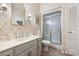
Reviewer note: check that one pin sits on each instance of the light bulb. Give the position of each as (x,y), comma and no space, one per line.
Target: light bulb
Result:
(4,7)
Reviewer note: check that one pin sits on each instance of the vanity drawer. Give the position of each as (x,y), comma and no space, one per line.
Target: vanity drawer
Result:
(7,53)
(23,47)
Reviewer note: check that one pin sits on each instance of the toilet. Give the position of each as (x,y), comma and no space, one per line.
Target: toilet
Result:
(45,43)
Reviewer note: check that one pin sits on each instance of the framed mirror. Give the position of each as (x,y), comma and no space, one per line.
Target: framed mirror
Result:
(18,14)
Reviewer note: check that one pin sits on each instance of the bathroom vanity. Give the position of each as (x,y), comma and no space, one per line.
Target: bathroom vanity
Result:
(27,46)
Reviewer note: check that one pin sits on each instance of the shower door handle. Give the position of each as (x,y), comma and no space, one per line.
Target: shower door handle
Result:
(50,37)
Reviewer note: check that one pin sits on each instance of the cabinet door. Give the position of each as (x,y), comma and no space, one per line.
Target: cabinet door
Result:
(25,53)
(21,48)
(7,53)
(34,51)
(39,49)
(31,52)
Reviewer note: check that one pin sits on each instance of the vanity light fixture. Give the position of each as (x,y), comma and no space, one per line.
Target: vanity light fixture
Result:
(28,21)
(3,7)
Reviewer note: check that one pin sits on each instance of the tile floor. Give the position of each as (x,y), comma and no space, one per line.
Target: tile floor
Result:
(54,52)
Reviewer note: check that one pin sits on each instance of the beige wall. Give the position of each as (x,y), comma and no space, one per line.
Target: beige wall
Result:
(9,31)
(49,6)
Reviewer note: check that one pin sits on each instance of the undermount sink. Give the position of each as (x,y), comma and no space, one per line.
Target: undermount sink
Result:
(25,38)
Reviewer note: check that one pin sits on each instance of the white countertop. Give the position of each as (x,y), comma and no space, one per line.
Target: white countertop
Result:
(15,42)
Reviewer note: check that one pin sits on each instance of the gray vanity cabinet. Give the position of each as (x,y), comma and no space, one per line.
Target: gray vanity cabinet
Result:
(31,48)
(27,49)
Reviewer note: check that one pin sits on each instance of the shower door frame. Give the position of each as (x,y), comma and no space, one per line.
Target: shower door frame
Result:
(61,27)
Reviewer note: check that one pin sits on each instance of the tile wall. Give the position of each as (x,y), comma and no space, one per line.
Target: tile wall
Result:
(9,31)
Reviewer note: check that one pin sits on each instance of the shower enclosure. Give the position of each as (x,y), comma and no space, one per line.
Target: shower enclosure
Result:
(52,27)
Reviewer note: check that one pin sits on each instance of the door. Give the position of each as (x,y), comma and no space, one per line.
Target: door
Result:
(52,27)
(71,41)
(46,28)
(56,28)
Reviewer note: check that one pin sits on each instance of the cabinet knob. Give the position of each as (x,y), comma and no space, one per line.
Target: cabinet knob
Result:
(8,55)
(37,46)
(70,32)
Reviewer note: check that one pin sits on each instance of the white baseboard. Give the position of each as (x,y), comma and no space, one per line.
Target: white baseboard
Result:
(72,52)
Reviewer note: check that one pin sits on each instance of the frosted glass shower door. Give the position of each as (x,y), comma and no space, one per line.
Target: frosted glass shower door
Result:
(56,28)
(46,28)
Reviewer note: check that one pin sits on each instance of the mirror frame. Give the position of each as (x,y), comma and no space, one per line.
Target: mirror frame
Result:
(12,14)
